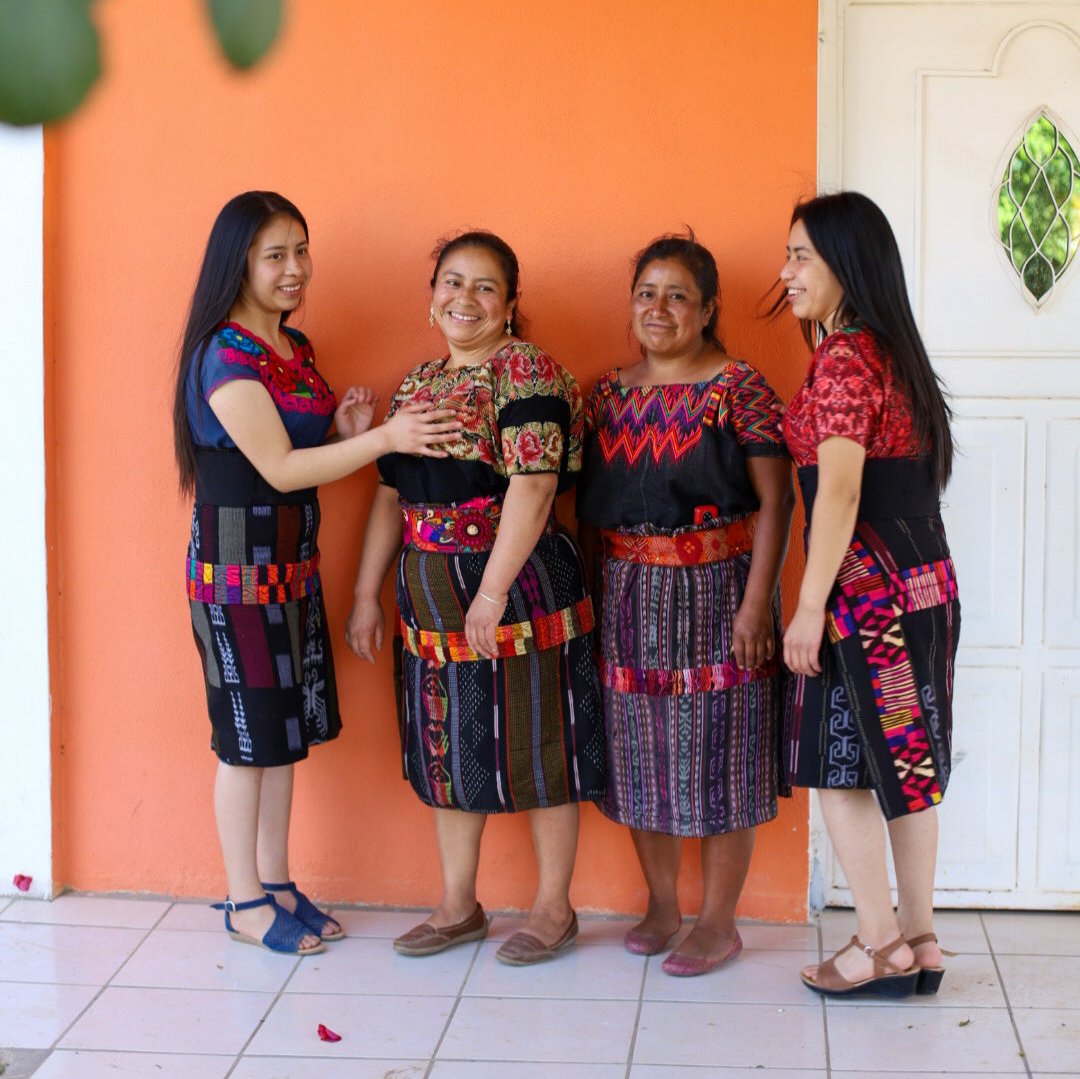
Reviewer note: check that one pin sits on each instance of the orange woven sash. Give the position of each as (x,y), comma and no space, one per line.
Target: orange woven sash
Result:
(684,549)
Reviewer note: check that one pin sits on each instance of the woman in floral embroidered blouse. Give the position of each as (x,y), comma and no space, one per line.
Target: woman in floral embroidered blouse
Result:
(874,636)
(498,698)
(250,415)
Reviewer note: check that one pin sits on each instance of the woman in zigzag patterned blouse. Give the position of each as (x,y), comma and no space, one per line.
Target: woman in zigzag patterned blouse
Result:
(688,482)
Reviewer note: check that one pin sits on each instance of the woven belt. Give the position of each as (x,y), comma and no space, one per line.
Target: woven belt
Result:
(233,582)
(685,548)
(679,681)
(516,639)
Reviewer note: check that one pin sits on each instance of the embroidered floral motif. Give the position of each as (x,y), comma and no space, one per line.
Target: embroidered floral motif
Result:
(486,396)
(294,384)
(849,392)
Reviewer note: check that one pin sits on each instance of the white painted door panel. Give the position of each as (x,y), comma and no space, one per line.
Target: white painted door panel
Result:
(922,105)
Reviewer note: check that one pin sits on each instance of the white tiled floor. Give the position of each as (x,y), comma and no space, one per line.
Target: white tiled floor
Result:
(92,986)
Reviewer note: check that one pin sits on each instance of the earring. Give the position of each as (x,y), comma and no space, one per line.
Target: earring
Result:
(509,327)
(431,316)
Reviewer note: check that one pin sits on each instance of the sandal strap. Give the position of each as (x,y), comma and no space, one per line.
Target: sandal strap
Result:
(922,938)
(229,905)
(316,920)
(288,886)
(880,956)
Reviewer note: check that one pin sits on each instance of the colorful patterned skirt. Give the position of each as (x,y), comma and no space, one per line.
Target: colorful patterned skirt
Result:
(257,615)
(879,715)
(692,741)
(523,731)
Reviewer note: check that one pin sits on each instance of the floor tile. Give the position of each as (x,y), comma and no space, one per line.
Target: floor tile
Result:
(359,965)
(1041,981)
(756,977)
(5,902)
(169,1021)
(919,1074)
(78,1064)
(574,1031)
(511,1069)
(585,971)
(675,1071)
(34,1016)
(1051,1038)
(947,1039)
(959,931)
(174,959)
(780,938)
(106,911)
(731,1035)
(1018,933)
(370,1026)
(970,982)
(607,931)
(379,923)
(63,954)
(198,916)
(321,1068)
(21,1063)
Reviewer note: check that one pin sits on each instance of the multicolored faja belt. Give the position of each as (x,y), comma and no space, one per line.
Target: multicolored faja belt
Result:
(456,527)
(684,548)
(228,583)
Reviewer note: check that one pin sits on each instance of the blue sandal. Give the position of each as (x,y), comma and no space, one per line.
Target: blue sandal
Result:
(306,911)
(283,936)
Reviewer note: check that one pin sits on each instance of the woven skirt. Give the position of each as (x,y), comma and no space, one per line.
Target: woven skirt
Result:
(879,715)
(259,623)
(520,732)
(692,742)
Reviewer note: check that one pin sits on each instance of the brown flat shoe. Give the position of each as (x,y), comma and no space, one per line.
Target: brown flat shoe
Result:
(888,980)
(637,942)
(523,949)
(427,939)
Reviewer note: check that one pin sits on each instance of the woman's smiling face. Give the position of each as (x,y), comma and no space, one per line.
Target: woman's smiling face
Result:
(469,298)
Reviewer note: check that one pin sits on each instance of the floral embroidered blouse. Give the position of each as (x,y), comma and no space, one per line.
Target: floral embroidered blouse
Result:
(522,415)
(303,398)
(850,391)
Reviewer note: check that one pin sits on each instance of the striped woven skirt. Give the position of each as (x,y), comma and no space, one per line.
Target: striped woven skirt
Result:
(259,622)
(692,742)
(879,715)
(523,731)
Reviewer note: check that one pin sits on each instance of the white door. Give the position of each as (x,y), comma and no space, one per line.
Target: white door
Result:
(923,107)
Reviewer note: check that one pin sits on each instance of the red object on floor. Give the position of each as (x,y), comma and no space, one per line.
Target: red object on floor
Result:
(22,882)
(327,1035)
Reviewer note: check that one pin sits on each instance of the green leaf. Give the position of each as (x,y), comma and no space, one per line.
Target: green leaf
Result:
(49,59)
(246,28)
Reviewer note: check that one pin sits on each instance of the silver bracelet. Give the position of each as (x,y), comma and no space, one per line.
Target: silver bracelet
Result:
(484,595)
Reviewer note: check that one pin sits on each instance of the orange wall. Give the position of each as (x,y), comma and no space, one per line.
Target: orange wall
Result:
(576,130)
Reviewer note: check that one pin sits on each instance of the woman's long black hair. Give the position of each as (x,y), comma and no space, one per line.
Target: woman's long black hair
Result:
(849,231)
(221,276)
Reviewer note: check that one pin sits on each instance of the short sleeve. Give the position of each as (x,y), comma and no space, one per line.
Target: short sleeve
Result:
(756,414)
(846,392)
(228,356)
(539,412)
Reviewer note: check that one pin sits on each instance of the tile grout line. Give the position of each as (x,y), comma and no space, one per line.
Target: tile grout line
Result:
(454,1008)
(637,1017)
(1005,994)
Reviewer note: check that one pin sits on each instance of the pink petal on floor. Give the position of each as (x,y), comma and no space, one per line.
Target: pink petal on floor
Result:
(22,882)
(327,1035)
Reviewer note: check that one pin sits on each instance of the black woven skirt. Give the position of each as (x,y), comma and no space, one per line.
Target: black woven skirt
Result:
(258,617)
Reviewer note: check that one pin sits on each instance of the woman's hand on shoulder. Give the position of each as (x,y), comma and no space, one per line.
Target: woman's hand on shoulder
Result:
(355,411)
(417,428)
(802,641)
(366,627)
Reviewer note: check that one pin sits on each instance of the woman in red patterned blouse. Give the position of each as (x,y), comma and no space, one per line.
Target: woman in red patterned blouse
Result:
(874,635)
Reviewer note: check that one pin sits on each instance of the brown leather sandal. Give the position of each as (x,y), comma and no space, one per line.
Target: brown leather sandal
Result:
(523,949)
(428,939)
(929,977)
(888,979)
